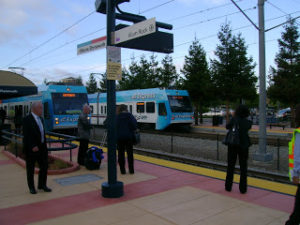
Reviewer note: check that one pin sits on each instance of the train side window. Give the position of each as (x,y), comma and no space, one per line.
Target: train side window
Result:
(92,108)
(150,107)
(162,111)
(130,108)
(140,107)
(101,109)
(46,111)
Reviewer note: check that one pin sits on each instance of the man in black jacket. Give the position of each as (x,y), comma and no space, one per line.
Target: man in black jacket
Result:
(35,148)
(126,125)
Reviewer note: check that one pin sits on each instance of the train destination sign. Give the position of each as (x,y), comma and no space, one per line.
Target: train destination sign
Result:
(92,45)
(135,31)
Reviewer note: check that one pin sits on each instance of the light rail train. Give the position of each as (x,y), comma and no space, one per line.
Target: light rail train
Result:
(62,105)
(155,107)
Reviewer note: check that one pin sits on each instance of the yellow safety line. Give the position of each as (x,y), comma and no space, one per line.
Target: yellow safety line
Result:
(254,182)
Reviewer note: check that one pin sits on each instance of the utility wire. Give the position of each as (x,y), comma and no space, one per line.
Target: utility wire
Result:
(57,48)
(50,39)
(203,38)
(209,20)
(279,9)
(201,11)
(208,9)
(150,9)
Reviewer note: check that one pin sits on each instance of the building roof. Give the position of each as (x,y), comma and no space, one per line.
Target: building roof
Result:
(15,85)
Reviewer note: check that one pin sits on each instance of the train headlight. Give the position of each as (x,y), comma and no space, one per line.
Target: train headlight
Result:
(56,121)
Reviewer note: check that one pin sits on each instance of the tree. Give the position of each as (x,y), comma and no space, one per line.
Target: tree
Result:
(197,79)
(78,81)
(285,79)
(91,85)
(232,70)
(140,75)
(167,75)
(103,83)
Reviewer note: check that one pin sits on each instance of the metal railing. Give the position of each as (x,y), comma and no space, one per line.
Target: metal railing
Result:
(62,142)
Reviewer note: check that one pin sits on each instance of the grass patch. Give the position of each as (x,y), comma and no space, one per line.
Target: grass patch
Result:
(53,163)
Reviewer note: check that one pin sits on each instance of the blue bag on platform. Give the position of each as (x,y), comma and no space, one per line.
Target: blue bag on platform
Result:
(93,158)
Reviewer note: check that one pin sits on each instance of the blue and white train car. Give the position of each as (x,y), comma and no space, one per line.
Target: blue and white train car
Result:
(157,107)
(62,105)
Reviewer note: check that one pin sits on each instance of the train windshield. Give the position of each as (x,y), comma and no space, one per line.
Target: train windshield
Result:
(68,103)
(180,103)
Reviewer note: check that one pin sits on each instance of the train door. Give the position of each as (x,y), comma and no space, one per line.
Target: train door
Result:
(162,118)
(47,117)
(130,109)
(140,110)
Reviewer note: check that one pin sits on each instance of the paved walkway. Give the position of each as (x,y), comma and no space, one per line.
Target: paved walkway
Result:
(154,195)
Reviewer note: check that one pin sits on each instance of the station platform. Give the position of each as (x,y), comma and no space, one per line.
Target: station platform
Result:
(160,192)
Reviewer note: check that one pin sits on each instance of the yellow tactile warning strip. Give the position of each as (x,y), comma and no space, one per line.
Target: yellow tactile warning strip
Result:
(254,182)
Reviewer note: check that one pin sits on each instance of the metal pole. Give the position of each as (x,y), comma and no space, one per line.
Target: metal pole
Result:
(112,188)
(261,155)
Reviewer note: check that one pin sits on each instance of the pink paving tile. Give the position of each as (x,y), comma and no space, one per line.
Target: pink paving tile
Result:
(6,162)
(35,212)
(209,184)
(277,201)
(154,170)
(167,179)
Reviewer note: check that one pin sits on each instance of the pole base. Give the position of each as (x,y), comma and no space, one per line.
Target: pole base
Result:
(265,157)
(112,190)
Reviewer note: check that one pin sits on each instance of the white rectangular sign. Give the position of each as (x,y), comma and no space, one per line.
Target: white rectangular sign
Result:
(92,45)
(114,66)
(137,30)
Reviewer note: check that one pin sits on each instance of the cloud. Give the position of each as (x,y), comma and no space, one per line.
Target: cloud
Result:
(23,17)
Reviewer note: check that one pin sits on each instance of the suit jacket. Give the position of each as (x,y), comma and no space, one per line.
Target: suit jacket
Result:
(32,135)
(244,127)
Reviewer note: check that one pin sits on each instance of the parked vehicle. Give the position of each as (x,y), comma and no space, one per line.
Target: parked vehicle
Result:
(283,114)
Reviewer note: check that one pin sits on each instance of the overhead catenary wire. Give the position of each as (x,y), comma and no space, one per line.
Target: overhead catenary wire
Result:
(63,45)
(50,39)
(185,43)
(157,6)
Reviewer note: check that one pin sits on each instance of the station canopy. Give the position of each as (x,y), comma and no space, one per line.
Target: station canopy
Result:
(15,85)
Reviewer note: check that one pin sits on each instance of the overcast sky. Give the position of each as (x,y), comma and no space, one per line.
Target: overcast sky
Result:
(42,36)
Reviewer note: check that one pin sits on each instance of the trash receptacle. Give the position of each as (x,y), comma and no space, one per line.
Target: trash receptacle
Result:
(215,121)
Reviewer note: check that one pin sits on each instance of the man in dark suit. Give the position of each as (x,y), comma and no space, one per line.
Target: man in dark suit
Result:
(35,148)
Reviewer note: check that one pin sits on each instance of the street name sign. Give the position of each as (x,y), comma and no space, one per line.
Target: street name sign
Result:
(135,31)
(92,45)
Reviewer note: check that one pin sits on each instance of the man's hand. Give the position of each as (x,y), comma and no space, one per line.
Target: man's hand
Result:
(35,149)
(296,180)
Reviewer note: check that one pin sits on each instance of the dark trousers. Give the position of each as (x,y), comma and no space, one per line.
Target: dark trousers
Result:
(295,216)
(41,157)
(125,145)
(83,147)
(232,154)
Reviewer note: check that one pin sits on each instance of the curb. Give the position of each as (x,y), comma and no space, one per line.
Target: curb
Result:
(22,163)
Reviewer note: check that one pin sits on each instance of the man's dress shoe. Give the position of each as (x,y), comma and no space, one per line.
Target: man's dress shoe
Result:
(45,188)
(32,191)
